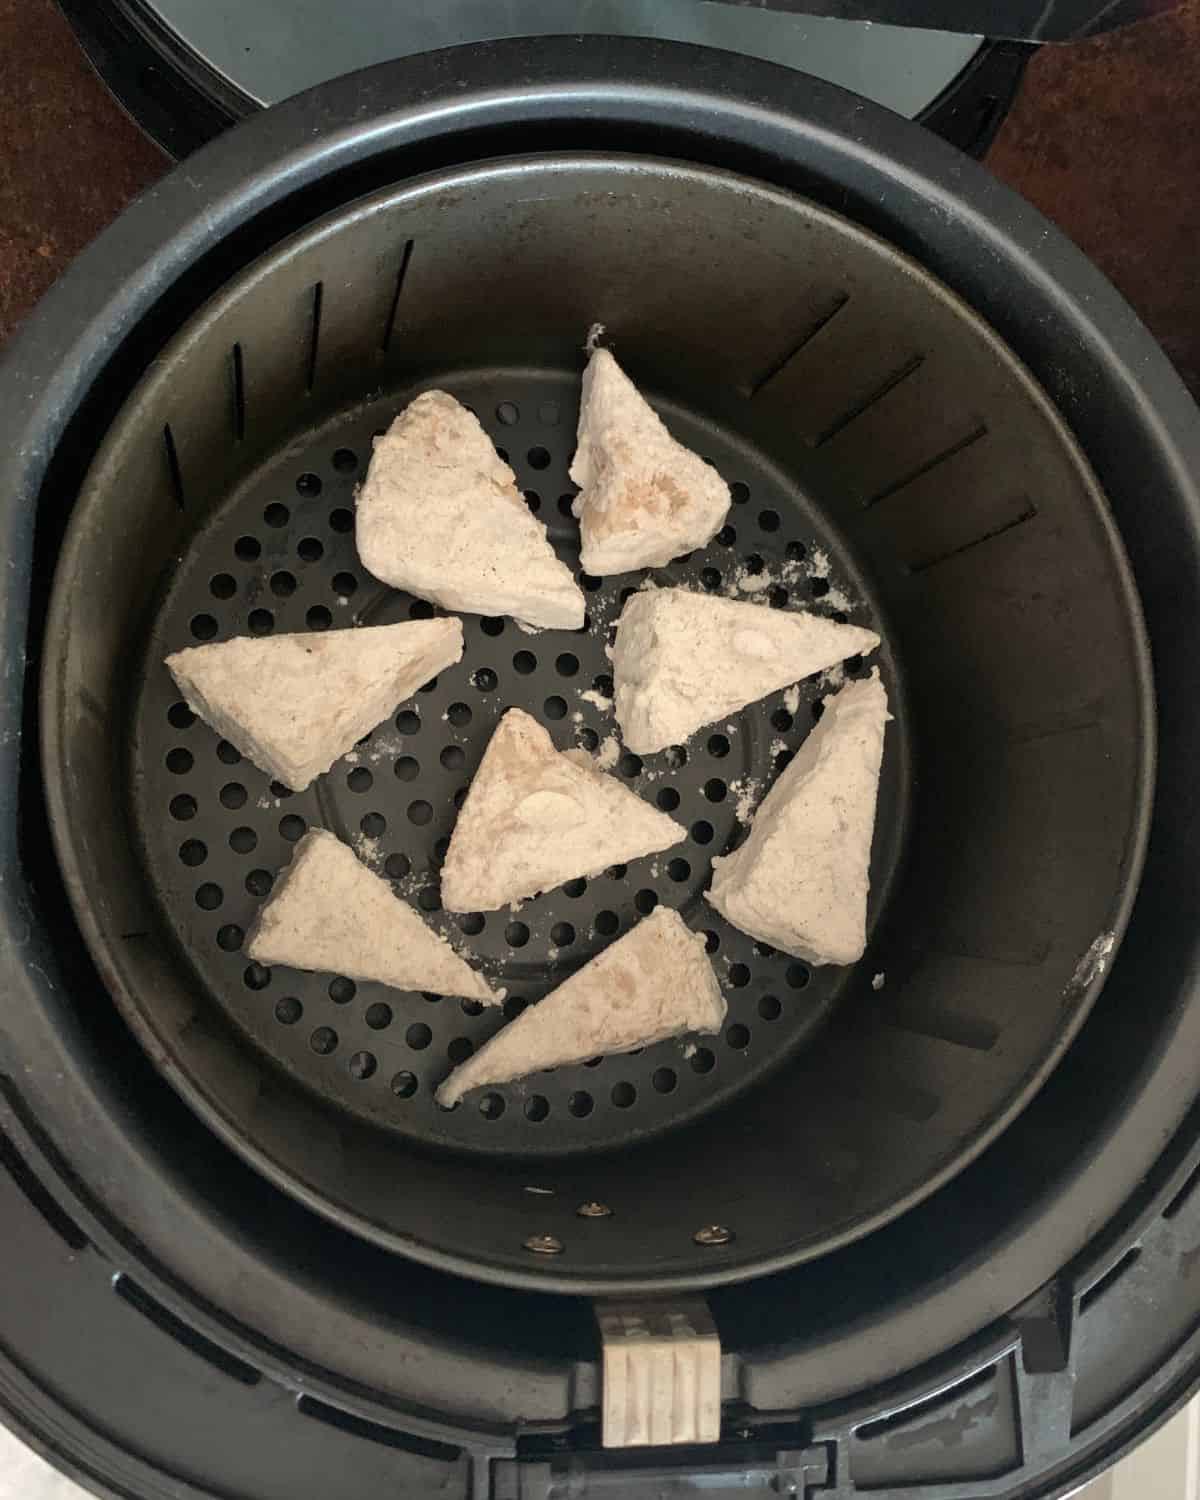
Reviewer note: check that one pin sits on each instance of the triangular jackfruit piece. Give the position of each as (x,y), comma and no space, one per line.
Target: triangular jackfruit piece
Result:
(332,915)
(439,514)
(644,498)
(655,982)
(800,881)
(294,703)
(534,818)
(682,660)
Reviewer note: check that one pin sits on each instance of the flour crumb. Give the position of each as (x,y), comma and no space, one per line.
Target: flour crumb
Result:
(264,803)
(689,1050)
(528,629)
(746,582)
(747,791)
(368,851)
(597,700)
(778,747)
(832,678)
(1093,963)
(791,700)
(609,753)
(879,981)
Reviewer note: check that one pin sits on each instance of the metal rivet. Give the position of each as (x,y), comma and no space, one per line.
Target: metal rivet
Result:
(544,1244)
(594,1210)
(713,1234)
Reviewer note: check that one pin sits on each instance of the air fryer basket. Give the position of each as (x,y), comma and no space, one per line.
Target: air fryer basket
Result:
(891,461)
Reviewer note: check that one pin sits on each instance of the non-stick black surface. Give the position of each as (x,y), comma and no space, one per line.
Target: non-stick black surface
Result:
(280,556)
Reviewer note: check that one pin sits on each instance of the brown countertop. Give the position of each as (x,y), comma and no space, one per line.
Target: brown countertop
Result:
(1104,138)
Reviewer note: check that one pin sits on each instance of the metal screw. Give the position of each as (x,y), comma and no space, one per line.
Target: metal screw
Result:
(593,1210)
(713,1234)
(544,1244)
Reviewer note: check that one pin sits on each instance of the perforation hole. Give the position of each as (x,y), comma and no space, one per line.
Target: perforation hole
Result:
(566,664)
(222,586)
(533,500)
(471,923)
(562,934)
(516,934)
(256,977)
(318,618)
(308,485)
(247,548)
(739,976)
(277,515)
(537,1107)
(209,896)
(203,627)
(491,1106)
(259,883)
(769,1007)
(193,852)
(667,798)
(711,579)
(492,625)
(623,1095)
(575,888)
(715,789)
(233,795)
(229,937)
(341,520)
(179,761)
(345,461)
(718,746)
(485,680)
(292,827)
(679,869)
(555,708)
(581,1104)
(288,1010)
(373,825)
(378,1016)
(818,587)
(727,536)
(404,1085)
(360,780)
(524,662)
(344,584)
(180,716)
(460,1049)
(418,1036)
(283,584)
(797,976)
(712,941)
(539,458)
(408,721)
(702,832)
(407,768)
(738,1037)
(419,812)
(630,765)
(606,923)
(645,901)
(428,899)
(342,990)
(508,413)
(397,866)
(323,1041)
(664,1080)
(702,1060)
(739,493)
(588,582)
(513,1007)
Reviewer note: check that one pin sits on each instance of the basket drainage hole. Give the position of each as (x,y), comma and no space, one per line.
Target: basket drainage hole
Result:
(277,515)
(539,458)
(360,779)
(209,896)
(702,1060)
(664,1080)
(679,869)
(575,888)
(769,1008)
(711,579)
(492,625)
(508,414)
(630,765)
(738,1037)
(702,832)
(524,662)
(341,519)
(230,937)
(193,852)
(460,1049)
(256,977)
(288,1011)
(292,827)
(259,883)
(567,664)
(318,618)
(342,990)
(222,586)
(739,976)
(344,584)
(623,1095)
(407,768)
(345,460)
(180,716)
(378,1016)
(516,934)
(797,976)
(419,813)
(739,493)
(562,934)
(459,714)
(203,627)
(362,1065)
(418,1036)
(715,789)
(308,485)
(261,622)
(606,923)
(491,1106)
(471,923)
(718,746)
(404,1085)
(323,1041)
(373,825)
(179,761)
(247,549)
(581,1104)
(668,799)
(555,708)
(485,680)
(453,758)
(537,1107)
(645,901)
(397,866)
(408,722)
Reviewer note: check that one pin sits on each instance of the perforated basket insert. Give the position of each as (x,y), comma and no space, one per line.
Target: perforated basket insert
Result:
(890,463)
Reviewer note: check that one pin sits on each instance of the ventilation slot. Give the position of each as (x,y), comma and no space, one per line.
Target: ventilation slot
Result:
(239,392)
(806,338)
(1110,1278)
(182,1333)
(927,467)
(57,1218)
(376,1432)
(1185,1192)
(880,391)
(389,327)
(314,342)
(934,1406)
(174,472)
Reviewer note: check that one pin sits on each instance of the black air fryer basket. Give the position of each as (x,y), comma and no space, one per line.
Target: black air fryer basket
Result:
(936,420)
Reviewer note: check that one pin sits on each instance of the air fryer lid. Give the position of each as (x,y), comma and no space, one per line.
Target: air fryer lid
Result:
(892,460)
